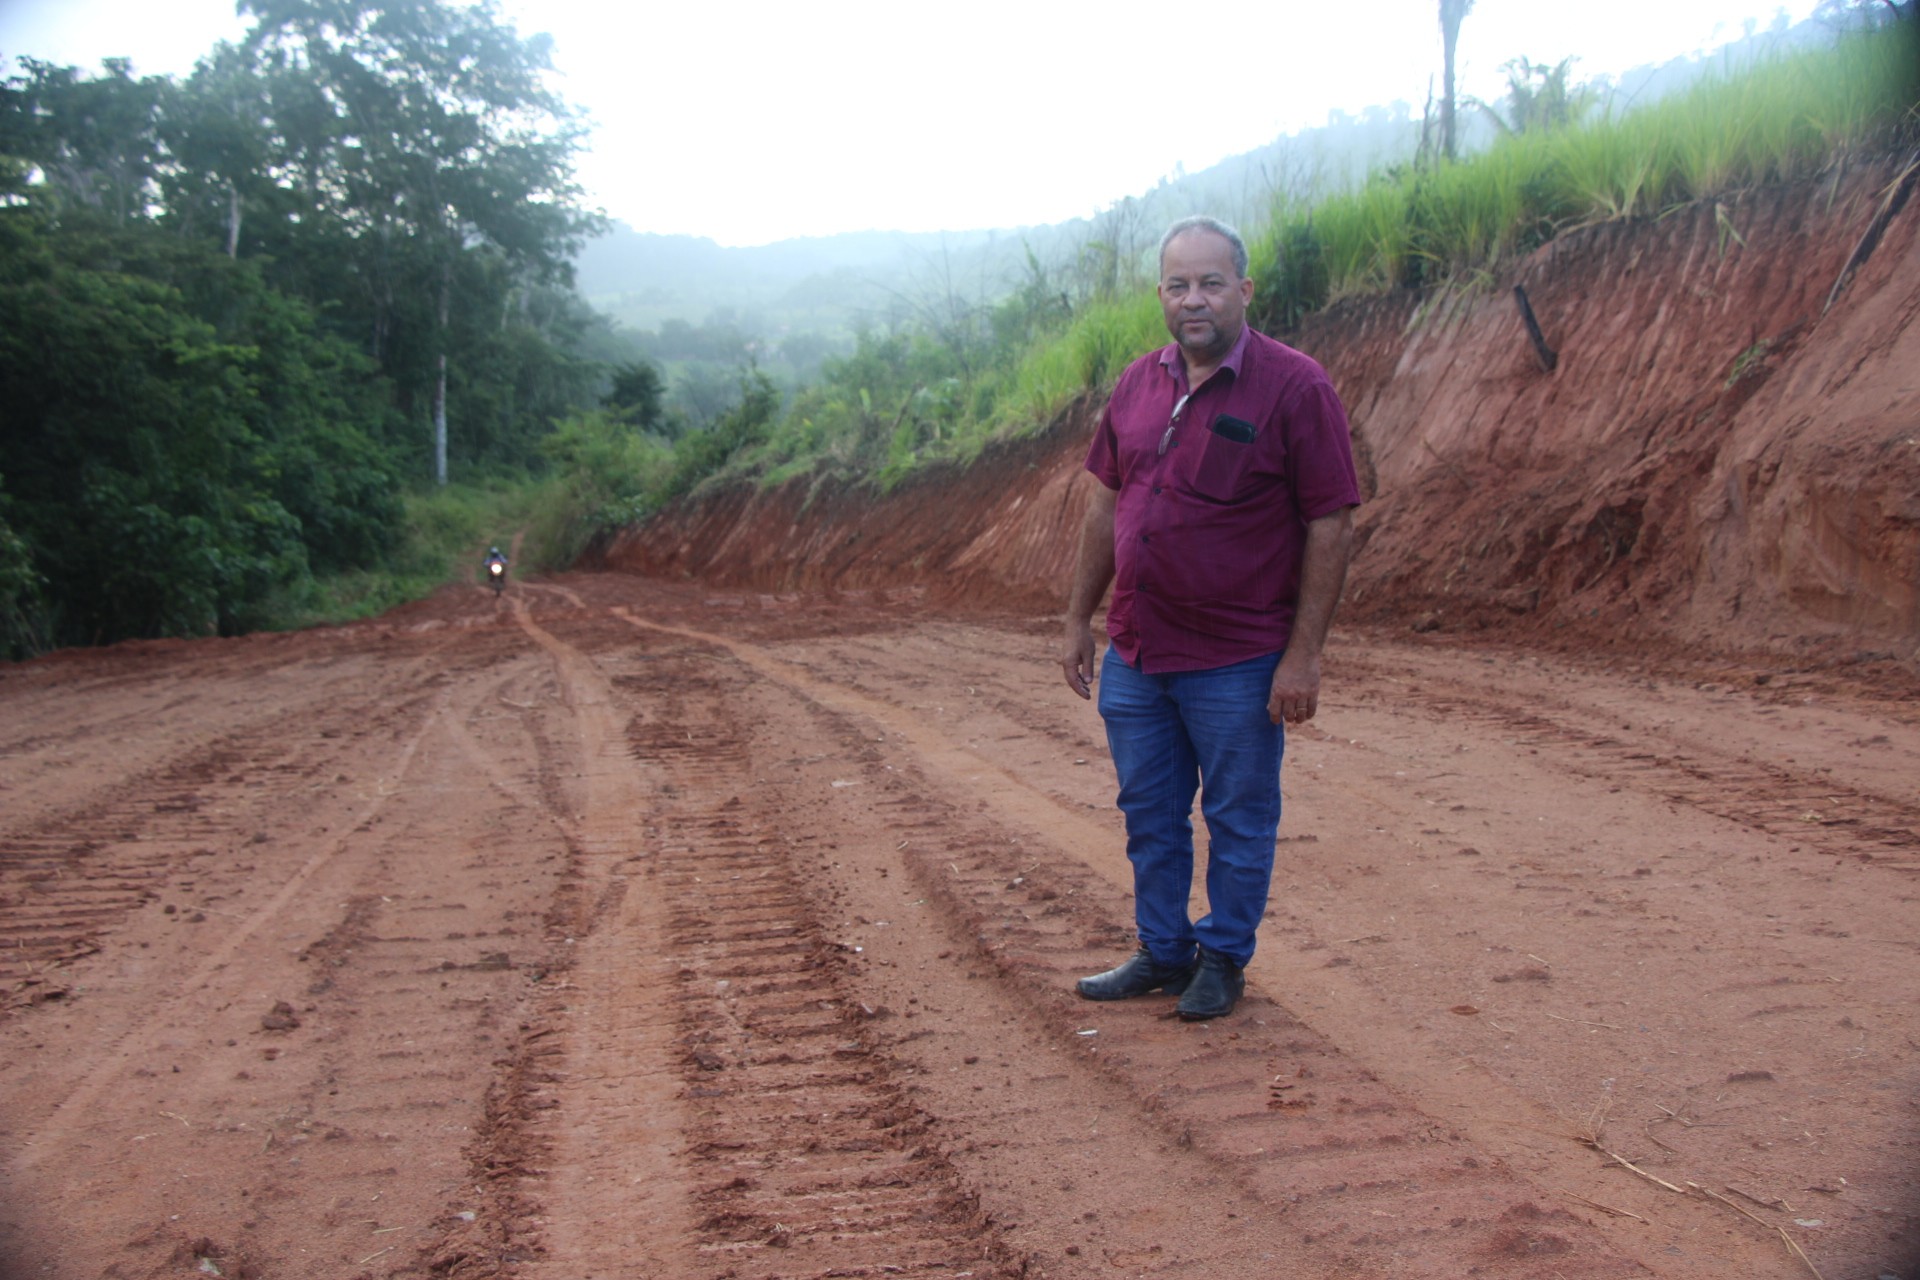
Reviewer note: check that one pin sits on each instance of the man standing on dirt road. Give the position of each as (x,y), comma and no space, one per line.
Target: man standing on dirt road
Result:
(1224,522)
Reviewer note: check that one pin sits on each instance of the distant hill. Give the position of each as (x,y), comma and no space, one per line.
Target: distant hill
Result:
(804,298)
(818,283)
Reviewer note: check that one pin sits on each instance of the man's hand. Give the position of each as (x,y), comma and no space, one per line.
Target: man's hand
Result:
(1323,569)
(1092,571)
(1296,689)
(1076,658)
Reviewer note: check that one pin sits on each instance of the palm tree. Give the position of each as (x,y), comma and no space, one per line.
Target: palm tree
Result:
(1539,97)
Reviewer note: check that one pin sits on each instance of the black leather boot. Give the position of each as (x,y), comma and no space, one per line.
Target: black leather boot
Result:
(1217,986)
(1139,975)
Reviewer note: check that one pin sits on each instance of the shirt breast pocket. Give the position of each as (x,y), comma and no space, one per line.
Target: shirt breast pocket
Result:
(1225,462)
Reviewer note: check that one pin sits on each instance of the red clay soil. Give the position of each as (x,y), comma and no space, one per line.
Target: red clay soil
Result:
(633,926)
(623,928)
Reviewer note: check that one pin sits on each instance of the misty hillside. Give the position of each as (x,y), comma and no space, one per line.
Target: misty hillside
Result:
(822,290)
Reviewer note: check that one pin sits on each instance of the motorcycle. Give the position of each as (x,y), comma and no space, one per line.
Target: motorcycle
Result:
(497,575)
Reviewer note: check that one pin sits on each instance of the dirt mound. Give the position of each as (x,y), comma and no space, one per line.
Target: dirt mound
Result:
(1713,462)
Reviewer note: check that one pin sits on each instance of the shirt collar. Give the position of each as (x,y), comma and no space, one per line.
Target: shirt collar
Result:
(1175,363)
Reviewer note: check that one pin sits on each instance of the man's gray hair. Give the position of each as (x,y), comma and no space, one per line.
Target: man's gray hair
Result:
(1201,222)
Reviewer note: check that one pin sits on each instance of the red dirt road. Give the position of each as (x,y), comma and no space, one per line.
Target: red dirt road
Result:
(620,929)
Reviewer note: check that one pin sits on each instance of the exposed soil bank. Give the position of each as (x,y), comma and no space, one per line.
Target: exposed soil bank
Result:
(1713,462)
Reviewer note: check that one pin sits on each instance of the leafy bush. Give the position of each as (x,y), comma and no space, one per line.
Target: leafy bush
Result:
(22,608)
(129,451)
(700,454)
(605,471)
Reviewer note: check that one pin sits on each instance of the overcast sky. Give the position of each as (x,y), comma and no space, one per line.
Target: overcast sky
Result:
(751,122)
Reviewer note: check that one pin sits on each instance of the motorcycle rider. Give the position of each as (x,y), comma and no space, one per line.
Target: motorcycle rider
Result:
(496,557)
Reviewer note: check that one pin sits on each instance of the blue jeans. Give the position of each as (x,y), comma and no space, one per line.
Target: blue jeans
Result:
(1172,735)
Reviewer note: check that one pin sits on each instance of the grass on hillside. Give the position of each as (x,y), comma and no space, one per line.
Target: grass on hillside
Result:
(1781,120)
(903,403)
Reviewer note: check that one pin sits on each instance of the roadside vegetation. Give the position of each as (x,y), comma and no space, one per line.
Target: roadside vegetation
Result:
(1564,162)
(1560,159)
(243,317)
(439,538)
(267,362)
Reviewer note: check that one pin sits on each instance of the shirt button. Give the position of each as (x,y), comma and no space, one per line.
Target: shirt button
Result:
(1156,488)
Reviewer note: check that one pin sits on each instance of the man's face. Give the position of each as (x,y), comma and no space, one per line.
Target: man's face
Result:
(1202,297)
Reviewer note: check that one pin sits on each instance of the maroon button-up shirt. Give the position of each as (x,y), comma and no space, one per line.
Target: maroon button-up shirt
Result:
(1208,528)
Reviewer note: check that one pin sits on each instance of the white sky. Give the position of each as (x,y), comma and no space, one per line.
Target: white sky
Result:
(755,121)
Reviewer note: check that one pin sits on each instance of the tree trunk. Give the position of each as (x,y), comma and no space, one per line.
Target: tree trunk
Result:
(440,385)
(440,421)
(233,221)
(1452,14)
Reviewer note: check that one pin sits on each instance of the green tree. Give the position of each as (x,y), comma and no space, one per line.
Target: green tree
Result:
(1540,98)
(95,141)
(129,451)
(421,133)
(218,138)
(22,610)
(638,396)
(699,454)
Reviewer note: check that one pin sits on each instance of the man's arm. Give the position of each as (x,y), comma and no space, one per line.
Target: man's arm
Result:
(1092,571)
(1323,572)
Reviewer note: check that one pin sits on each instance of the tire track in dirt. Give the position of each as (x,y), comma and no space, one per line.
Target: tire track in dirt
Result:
(1833,816)
(71,871)
(714,962)
(66,880)
(927,1209)
(138,1041)
(1037,1157)
(576,1158)
(241,1094)
(809,1157)
(509,1049)
(1391,1008)
(1275,1107)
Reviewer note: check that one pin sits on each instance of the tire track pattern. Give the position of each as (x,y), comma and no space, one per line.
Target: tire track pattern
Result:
(809,1158)
(1274,1107)
(1281,1111)
(67,881)
(1834,818)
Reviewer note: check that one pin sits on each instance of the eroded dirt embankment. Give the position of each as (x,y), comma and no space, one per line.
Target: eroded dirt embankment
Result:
(1714,462)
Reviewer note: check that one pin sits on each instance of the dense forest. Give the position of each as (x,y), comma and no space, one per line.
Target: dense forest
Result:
(239,314)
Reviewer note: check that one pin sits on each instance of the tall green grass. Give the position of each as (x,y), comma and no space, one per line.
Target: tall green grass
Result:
(1366,239)
(1090,352)
(1780,120)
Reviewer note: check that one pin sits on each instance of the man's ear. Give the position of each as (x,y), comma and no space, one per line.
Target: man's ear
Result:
(1246,290)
